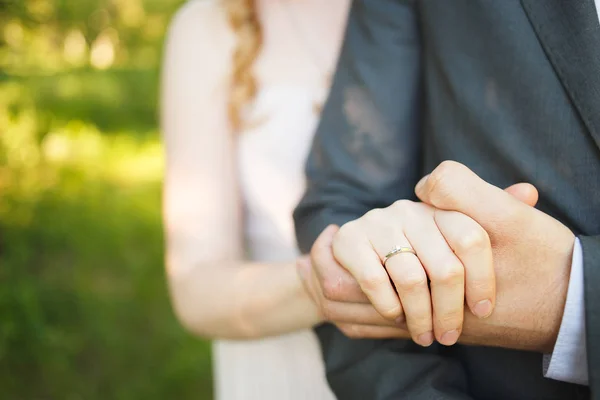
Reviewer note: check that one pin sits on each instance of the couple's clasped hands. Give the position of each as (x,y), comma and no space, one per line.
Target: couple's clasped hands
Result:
(486,265)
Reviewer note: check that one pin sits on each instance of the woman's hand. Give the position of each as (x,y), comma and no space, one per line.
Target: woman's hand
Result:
(452,260)
(355,320)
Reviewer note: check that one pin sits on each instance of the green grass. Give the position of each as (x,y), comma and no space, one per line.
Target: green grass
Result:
(84,304)
(84,308)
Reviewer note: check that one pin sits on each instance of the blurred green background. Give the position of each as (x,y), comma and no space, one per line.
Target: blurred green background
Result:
(84,310)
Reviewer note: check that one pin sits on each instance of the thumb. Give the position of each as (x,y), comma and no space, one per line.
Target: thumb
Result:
(454,187)
(524,192)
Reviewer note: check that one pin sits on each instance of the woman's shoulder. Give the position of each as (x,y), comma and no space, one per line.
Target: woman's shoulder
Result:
(199,40)
(195,11)
(202,22)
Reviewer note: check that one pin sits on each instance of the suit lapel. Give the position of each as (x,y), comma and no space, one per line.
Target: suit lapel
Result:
(569,32)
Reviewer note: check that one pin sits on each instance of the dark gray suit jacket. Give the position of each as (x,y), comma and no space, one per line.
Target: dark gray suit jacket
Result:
(511,89)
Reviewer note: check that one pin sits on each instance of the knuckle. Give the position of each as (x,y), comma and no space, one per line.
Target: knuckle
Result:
(449,167)
(341,237)
(392,313)
(344,240)
(444,170)
(405,209)
(345,232)
(420,319)
(450,274)
(332,288)
(402,205)
(375,214)
(372,282)
(412,282)
(518,213)
(450,319)
(441,183)
(449,164)
(475,240)
(420,326)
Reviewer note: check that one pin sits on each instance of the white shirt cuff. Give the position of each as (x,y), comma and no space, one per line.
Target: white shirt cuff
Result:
(568,361)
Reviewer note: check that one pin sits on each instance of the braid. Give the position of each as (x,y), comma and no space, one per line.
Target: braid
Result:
(244,21)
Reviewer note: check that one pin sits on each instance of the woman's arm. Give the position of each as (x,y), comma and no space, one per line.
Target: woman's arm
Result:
(214,292)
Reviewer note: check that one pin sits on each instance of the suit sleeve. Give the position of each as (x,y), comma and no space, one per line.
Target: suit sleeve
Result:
(365,152)
(366,155)
(590,246)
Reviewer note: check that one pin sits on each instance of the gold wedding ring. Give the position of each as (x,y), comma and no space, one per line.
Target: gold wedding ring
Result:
(398,250)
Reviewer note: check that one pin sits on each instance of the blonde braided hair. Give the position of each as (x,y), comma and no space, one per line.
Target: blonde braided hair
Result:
(243,19)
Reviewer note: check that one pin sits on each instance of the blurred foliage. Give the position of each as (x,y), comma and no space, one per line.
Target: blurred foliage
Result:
(84,307)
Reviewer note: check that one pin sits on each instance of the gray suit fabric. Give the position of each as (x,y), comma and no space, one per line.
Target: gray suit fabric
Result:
(509,88)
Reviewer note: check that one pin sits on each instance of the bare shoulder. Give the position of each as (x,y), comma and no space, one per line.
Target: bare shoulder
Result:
(200,16)
(194,78)
(200,27)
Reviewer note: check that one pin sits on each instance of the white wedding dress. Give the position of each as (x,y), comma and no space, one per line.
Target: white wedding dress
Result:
(271,159)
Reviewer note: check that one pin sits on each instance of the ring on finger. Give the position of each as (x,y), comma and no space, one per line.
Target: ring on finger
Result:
(398,250)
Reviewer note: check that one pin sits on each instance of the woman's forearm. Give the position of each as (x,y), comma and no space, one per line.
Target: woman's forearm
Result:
(242,300)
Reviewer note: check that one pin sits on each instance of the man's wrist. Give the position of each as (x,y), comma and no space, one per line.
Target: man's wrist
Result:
(534,329)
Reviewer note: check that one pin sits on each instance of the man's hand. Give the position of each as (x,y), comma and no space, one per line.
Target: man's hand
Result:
(532,258)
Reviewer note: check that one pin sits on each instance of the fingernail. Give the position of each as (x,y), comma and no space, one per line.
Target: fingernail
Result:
(421,183)
(483,309)
(449,338)
(425,339)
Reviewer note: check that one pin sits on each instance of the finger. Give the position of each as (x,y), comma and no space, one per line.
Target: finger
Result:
(355,313)
(337,283)
(470,242)
(524,192)
(352,313)
(405,269)
(446,275)
(352,249)
(410,280)
(454,187)
(354,331)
